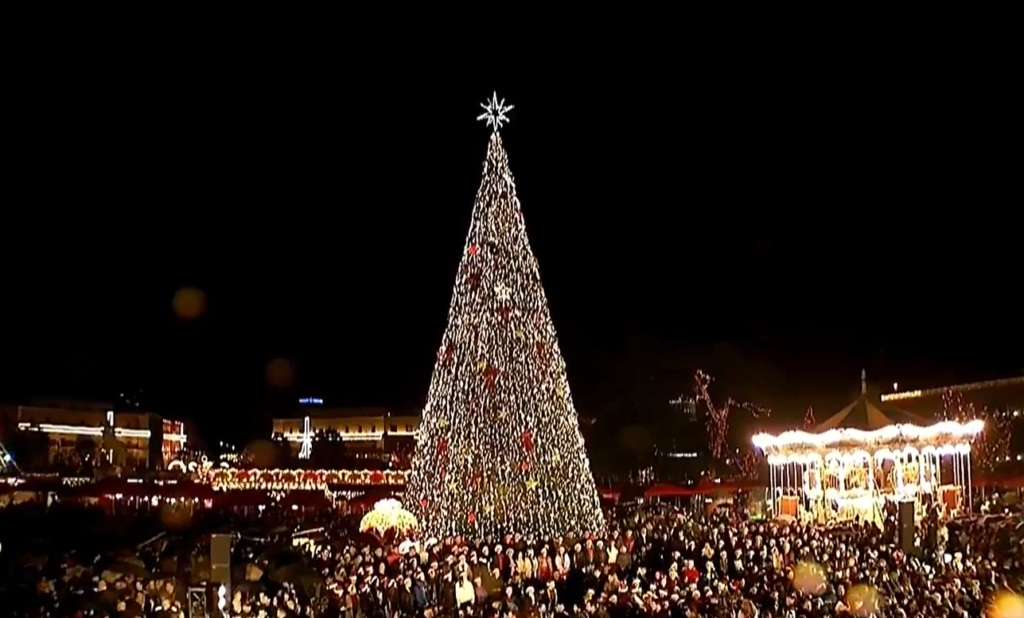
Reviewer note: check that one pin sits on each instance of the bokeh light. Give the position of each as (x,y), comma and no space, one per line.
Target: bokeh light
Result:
(189,303)
(264,454)
(1006,605)
(281,373)
(862,600)
(175,516)
(809,578)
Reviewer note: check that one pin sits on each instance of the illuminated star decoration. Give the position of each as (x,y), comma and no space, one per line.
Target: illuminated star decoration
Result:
(494,112)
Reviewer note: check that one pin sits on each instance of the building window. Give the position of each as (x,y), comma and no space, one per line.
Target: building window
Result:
(408,428)
(373,429)
(394,428)
(359,429)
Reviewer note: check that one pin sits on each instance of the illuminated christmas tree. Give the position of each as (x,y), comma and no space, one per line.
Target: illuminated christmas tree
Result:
(499,449)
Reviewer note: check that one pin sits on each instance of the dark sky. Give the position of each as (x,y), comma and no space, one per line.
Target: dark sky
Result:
(781,225)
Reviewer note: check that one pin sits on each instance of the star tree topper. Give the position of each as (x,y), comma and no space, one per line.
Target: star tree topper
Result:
(494,112)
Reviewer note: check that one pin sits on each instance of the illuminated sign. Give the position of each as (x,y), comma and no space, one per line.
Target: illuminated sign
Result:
(311,401)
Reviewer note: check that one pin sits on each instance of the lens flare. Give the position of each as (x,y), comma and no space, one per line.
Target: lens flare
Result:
(1006,605)
(862,600)
(809,578)
(189,303)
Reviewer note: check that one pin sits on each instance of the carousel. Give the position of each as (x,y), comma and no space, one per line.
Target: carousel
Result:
(865,458)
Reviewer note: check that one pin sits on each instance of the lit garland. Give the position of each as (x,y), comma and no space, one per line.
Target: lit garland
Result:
(718,424)
(992,446)
(946,432)
(293,480)
(500,448)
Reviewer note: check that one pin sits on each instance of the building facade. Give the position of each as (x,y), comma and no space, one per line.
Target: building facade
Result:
(76,434)
(1001,398)
(365,432)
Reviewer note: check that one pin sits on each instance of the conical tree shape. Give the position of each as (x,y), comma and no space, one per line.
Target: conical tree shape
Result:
(500,450)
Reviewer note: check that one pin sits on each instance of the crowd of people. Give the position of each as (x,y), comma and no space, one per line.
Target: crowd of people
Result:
(657,560)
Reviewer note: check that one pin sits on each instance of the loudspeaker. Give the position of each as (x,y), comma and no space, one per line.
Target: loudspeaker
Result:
(220,558)
(905,529)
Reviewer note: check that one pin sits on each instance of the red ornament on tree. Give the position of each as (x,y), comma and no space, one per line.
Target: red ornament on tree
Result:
(471,517)
(528,440)
(473,249)
(524,466)
(503,313)
(446,354)
(423,502)
(490,377)
(442,446)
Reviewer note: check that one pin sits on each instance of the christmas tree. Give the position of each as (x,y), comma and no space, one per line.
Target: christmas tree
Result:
(499,449)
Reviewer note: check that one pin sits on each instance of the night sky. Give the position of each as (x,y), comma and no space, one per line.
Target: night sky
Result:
(781,228)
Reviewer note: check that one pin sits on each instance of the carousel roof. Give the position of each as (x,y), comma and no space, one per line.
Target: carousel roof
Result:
(868,413)
(867,421)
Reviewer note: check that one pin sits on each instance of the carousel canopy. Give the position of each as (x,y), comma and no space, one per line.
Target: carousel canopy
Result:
(867,413)
(867,422)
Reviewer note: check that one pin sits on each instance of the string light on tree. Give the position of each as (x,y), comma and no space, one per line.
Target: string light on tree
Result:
(500,448)
(991,447)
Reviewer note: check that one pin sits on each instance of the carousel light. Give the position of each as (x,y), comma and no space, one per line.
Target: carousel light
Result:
(890,433)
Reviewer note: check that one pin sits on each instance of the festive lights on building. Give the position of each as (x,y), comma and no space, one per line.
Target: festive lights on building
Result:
(931,392)
(84,430)
(500,448)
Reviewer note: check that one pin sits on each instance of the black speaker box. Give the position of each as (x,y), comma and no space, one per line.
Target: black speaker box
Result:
(905,530)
